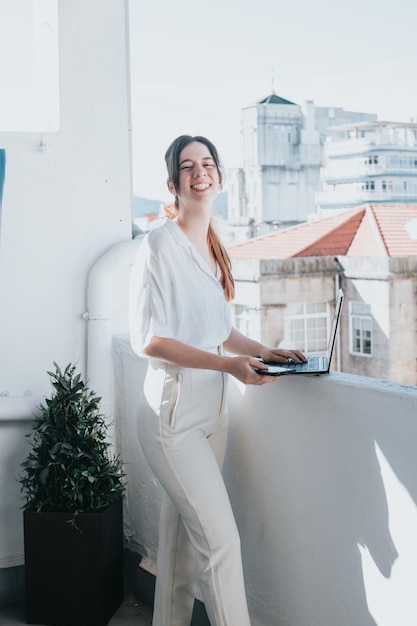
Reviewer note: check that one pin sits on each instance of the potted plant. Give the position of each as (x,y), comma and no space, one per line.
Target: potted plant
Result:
(73,526)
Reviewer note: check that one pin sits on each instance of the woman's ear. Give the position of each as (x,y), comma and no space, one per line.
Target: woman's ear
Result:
(171,187)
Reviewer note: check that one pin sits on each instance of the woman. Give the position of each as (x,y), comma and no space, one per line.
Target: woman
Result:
(181,287)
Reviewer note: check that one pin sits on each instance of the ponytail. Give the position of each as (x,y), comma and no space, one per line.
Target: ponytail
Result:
(217,250)
(223,260)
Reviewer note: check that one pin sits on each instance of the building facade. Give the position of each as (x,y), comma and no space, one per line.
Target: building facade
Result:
(282,149)
(286,285)
(369,162)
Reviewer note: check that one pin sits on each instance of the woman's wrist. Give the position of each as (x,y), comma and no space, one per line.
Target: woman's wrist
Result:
(224,363)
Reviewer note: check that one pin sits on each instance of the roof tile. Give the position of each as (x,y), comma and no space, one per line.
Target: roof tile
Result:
(368,230)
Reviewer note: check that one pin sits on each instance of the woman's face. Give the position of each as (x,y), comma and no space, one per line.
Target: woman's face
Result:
(199,178)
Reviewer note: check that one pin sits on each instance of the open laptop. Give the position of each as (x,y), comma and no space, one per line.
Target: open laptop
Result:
(314,364)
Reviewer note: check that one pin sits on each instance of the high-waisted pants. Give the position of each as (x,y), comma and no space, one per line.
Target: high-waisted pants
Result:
(182,428)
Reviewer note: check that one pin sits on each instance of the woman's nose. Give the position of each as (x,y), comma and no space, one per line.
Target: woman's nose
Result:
(198,169)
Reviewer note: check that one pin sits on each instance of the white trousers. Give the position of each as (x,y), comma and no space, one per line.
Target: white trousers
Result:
(183,433)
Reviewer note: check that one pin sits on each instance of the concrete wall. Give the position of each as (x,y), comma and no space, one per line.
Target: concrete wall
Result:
(320,474)
(67,200)
(390,287)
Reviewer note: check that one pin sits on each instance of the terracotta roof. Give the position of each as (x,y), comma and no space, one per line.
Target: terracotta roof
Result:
(397,226)
(368,230)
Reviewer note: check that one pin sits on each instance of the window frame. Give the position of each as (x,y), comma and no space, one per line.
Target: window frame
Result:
(306,317)
(361,318)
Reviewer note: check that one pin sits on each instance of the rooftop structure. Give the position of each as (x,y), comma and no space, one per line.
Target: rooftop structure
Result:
(282,152)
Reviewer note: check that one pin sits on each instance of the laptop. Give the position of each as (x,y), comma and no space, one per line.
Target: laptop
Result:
(314,364)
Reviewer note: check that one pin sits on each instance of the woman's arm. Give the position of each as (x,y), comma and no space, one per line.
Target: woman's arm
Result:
(179,353)
(183,355)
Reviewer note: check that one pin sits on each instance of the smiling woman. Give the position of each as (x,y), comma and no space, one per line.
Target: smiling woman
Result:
(181,286)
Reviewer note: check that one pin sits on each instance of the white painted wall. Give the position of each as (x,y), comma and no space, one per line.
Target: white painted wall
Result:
(29,71)
(67,200)
(320,471)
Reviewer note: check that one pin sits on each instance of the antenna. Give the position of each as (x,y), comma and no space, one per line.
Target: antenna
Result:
(273,79)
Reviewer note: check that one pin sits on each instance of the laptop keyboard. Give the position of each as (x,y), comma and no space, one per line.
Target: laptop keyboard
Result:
(314,364)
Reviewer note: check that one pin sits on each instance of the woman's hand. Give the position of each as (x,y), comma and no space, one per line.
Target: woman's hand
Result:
(277,355)
(242,368)
(240,344)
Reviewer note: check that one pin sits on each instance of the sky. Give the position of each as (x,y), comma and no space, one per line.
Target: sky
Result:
(195,65)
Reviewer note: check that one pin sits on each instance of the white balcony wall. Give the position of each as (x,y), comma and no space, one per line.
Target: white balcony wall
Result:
(320,471)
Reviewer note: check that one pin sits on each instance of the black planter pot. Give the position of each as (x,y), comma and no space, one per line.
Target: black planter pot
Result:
(72,577)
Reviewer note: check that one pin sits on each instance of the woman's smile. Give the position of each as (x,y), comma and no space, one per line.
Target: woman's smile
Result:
(200,186)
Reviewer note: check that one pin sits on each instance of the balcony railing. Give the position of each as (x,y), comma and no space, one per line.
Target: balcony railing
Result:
(320,473)
(340,147)
(354,172)
(355,197)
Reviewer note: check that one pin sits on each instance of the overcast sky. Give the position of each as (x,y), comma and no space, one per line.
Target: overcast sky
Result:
(195,65)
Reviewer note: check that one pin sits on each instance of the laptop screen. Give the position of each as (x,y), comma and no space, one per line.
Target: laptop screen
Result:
(335,323)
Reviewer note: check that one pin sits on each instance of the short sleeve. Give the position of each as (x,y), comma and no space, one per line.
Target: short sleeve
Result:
(173,294)
(149,289)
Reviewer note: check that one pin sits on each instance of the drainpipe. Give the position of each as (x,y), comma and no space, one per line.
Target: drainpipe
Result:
(102,282)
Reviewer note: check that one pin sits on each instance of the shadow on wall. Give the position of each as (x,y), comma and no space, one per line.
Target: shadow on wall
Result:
(320,472)
(323,522)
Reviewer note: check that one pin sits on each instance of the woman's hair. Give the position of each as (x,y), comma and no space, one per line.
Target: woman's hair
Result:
(172,159)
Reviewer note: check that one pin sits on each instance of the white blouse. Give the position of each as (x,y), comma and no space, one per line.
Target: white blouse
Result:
(174,294)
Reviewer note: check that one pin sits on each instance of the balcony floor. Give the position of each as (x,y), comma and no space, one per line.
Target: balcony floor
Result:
(131,613)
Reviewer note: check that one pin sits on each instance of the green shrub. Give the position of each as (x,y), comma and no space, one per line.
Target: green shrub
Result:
(70,467)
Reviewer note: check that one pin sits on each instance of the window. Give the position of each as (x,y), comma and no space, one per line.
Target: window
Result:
(360,329)
(246,321)
(369,185)
(306,327)
(403,162)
